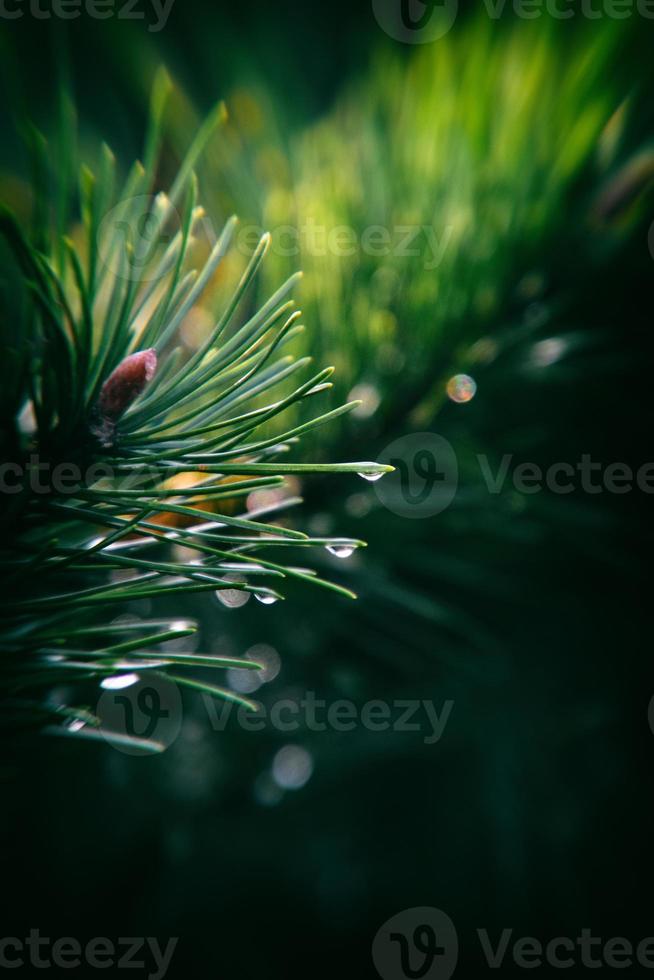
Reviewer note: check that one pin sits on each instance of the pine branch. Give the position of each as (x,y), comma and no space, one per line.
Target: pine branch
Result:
(154,444)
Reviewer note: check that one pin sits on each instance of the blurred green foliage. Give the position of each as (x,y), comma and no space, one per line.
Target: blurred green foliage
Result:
(427,203)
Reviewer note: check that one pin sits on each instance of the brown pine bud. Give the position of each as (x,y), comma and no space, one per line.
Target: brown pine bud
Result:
(119,391)
(126,382)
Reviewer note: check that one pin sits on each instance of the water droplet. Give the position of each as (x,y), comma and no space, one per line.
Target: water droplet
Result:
(75,725)
(369,398)
(119,681)
(340,550)
(244,681)
(370,477)
(547,352)
(292,767)
(269,659)
(181,624)
(461,388)
(266,600)
(232,598)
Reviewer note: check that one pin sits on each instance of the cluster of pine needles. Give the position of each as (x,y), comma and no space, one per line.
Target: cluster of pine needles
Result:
(168,444)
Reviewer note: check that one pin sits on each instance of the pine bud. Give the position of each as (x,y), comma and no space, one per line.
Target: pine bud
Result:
(119,391)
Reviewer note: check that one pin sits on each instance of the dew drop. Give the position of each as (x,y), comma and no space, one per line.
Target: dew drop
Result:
(119,681)
(181,624)
(292,767)
(269,660)
(370,477)
(369,399)
(547,352)
(266,600)
(75,725)
(243,681)
(340,550)
(232,598)
(461,388)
